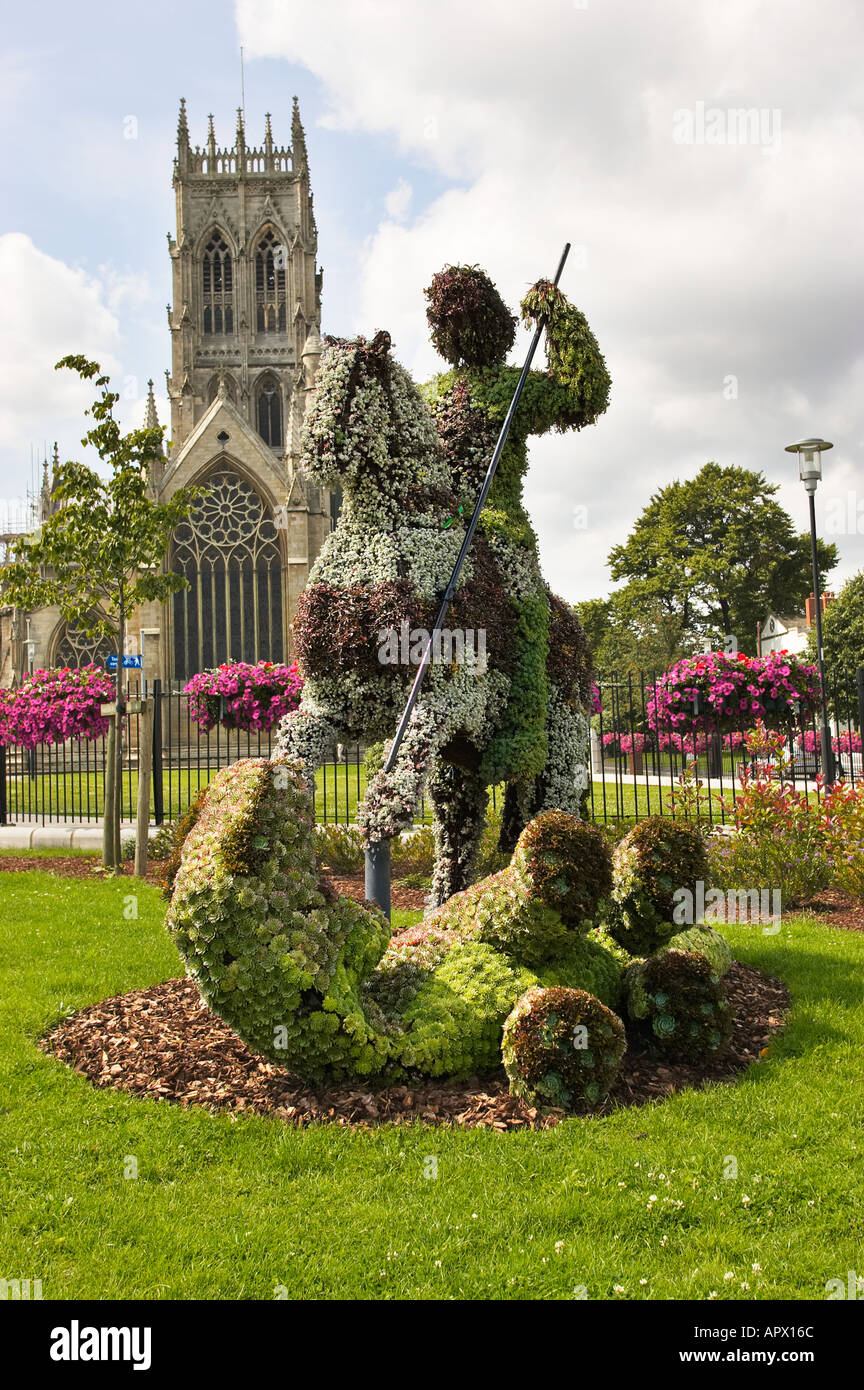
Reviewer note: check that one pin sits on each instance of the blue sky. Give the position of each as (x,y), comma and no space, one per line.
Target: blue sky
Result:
(721,275)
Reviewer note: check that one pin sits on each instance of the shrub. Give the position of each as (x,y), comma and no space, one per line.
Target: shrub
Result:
(842,824)
(779,840)
(562,1047)
(242,696)
(654,859)
(676,1003)
(340,848)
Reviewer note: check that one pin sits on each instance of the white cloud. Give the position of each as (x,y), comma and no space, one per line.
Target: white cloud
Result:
(398,200)
(698,262)
(52,309)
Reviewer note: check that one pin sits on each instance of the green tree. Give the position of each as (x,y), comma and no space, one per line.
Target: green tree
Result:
(843,628)
(719,552)
(102,551)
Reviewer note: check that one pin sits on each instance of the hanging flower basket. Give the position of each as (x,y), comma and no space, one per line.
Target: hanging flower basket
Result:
(53,706)
(717,691)
(238,695)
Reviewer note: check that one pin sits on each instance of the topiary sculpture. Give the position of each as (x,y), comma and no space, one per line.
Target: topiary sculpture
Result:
(518,712)
(562,1047)
(540,734)
(315,981)
(655,859)
(676,1003)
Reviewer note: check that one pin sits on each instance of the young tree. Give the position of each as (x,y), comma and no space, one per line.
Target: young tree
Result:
(102,552)
(718,551)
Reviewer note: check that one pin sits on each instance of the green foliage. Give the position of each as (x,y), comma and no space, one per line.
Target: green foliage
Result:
(676,1003)
(453,1024)
(469,320)
(704,941)
(718,552)
(269,949)
(562,1047)
(373,759)
(340,848)
(568,866)
(518,748)
(843,628)
(100,553)
(656,858)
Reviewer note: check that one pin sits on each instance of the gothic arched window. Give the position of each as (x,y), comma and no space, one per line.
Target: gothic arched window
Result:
(217,283)
(228,549)
(73,648)
(270,294)
(269,403)
(213,389)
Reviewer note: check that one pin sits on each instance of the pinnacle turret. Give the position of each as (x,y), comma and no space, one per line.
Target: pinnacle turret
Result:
(182,125)
(298,138)
(151,419)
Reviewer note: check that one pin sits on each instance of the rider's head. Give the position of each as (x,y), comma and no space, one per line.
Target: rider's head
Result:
(471,325)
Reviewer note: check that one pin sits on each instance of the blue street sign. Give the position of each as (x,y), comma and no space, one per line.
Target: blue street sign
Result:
(130,663)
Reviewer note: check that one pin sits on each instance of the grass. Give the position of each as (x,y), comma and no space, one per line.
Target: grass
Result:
(338,788)
(238,1209)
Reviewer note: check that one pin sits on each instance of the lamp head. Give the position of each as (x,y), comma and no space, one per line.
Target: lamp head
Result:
(809,453)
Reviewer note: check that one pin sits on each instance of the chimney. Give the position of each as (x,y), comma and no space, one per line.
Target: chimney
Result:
(810,606)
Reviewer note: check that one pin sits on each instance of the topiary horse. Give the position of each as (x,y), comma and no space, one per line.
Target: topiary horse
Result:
(317,983)
(372,595)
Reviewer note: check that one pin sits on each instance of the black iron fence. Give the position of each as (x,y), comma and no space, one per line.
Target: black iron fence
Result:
(635,771)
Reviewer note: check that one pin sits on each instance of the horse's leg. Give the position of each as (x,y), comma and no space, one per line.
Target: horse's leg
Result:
(563,782)
(459,799)
(305,738)
(393,797)
(518,808)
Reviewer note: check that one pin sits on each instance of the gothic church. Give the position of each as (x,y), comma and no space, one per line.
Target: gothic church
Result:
(245,347)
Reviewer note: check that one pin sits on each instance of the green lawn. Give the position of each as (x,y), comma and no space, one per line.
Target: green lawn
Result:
(235,1209)
(338,788)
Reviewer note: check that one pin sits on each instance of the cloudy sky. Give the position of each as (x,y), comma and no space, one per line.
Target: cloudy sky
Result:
(715,255)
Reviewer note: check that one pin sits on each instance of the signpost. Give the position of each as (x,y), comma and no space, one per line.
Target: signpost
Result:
(130,663)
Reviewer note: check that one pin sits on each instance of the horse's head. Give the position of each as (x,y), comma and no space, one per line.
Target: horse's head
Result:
(368,426)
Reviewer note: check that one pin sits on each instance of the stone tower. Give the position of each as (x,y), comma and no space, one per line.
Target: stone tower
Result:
(245,346)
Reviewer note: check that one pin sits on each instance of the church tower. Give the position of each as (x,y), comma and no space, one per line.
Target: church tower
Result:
(245,346)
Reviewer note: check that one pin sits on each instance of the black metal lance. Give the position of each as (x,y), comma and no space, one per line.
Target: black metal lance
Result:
(378,853)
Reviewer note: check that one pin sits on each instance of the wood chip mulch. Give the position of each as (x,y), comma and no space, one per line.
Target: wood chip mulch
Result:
(164,1043)
(837,909)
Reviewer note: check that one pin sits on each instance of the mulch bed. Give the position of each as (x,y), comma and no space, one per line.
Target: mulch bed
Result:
(164,1043)
(837,910)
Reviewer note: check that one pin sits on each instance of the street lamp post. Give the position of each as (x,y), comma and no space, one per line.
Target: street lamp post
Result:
(809,453)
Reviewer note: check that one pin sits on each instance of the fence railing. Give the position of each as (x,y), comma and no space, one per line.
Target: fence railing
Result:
(634,770)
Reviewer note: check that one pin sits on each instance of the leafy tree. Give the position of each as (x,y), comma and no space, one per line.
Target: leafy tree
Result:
(101,553)
(843,628)
(717,551)
(627,641)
